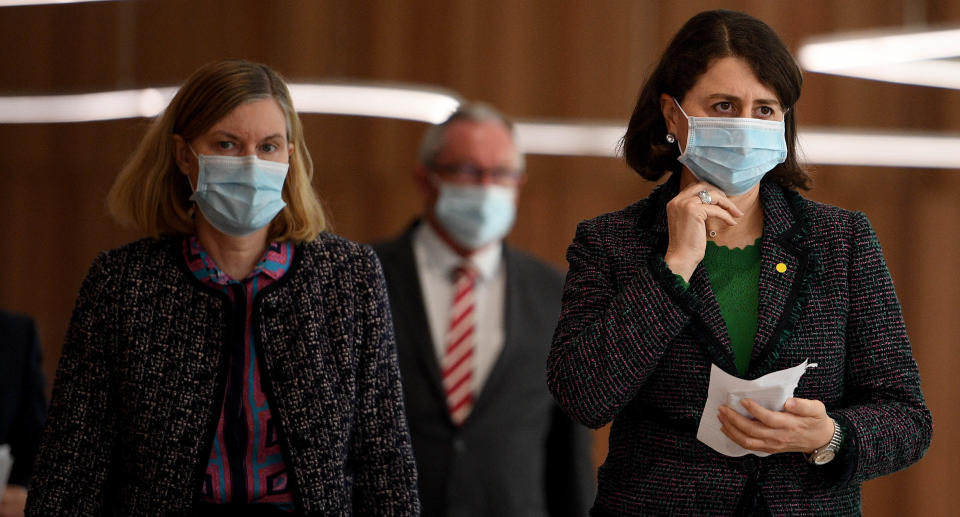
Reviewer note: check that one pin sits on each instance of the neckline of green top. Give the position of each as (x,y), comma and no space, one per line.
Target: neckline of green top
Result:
(723,256)
(725,249)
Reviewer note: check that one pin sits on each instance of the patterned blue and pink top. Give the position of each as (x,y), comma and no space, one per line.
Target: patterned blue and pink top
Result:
(246,460)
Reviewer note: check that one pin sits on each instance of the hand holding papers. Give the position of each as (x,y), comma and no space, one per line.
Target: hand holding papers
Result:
(770,391)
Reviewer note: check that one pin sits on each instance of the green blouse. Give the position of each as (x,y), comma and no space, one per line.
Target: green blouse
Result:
(734,275)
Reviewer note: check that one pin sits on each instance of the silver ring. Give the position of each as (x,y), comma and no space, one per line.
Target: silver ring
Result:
(705,197)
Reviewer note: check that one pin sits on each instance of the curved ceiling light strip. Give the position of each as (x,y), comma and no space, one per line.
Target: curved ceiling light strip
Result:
(919,57)
(17,3)
(401,102)
(375,100)
(84,107)
(433,105)
(817,145)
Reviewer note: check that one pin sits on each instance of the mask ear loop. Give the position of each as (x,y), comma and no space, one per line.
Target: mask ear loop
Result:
(675,101)
(197,156)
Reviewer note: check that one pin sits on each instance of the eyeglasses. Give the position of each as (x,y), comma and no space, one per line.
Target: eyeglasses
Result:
(468,173)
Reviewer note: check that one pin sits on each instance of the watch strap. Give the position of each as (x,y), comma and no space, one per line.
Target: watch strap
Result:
(833,445)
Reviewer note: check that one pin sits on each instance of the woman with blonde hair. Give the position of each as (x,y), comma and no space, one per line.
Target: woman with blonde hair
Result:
(238,355)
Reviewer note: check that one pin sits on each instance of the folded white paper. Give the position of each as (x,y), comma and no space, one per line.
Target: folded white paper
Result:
(770,391)
(6,463)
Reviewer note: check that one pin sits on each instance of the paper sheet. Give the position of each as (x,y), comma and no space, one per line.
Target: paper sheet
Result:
(770,391)
(6,464)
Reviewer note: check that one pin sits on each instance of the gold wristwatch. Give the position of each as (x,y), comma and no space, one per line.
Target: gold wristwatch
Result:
(825,454)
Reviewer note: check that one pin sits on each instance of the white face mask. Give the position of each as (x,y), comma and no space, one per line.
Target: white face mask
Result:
(732,153)
(475,215)
(239,195)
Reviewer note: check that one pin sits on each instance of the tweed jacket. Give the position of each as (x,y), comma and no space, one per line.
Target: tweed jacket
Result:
(633,346)
(517,454)
(141,382)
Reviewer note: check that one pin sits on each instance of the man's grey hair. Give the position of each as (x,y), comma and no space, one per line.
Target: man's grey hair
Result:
(435,137)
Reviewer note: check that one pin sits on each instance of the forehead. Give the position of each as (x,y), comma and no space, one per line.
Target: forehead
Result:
(479,141)
(254,119)
(732,76)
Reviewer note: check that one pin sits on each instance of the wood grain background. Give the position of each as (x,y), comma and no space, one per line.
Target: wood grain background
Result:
(533,59)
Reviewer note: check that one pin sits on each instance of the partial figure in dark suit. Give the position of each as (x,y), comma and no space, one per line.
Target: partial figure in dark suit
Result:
(23,404)
(473,319)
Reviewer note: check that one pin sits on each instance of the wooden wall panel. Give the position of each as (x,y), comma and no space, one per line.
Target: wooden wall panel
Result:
(534,59)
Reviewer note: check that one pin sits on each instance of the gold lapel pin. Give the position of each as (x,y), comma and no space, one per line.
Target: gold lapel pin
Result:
(781,268)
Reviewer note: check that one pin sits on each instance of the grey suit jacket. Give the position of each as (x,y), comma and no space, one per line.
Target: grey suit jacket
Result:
(516,454)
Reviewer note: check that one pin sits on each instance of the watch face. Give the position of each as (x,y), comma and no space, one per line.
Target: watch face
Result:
(823,457)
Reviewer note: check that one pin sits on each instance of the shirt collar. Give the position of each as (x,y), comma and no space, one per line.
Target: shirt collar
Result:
(441,257)
(274,263)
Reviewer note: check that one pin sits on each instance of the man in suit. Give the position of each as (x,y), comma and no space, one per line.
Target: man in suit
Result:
(23,405)
(474,319)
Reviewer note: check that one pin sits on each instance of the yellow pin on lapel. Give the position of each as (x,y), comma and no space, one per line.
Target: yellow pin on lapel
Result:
(781,268)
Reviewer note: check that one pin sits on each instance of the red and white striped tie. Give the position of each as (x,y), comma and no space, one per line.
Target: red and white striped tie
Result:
(458,356)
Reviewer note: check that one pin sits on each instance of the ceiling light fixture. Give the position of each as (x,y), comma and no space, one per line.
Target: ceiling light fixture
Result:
(433,105)
(901,56)
(17,3)
(817,146)
(430,105)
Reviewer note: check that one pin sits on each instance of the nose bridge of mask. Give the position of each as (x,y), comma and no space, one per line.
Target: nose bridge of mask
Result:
(728,132)
(759,134)
(241,171)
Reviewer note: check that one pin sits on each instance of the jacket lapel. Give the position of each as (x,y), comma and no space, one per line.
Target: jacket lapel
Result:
(786,270)
(711,328)
(411,317)
(709,320)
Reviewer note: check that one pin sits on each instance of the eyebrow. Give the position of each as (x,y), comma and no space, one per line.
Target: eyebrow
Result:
(235,137)
(727,96)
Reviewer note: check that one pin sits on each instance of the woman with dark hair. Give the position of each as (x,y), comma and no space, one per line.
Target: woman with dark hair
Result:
(726,266)
(239,360)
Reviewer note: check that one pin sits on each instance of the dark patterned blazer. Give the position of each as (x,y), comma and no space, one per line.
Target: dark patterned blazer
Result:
(141,383)
(516,454)
(633,347)
(23,404)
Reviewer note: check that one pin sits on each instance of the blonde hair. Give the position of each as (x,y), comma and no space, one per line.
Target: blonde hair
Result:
(151,195)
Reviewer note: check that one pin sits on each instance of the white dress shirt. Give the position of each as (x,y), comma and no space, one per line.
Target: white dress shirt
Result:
(436,262)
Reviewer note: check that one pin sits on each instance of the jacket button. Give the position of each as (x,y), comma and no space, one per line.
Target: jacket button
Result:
(459,446)
(750,465)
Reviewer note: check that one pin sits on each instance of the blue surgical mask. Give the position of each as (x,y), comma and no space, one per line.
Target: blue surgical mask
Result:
(475,215)
(732,153)
(239,195)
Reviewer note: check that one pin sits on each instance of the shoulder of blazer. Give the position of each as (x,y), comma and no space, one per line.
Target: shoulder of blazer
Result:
(331,254)
(816,224)
(645,219)
(394,249)
(141,264)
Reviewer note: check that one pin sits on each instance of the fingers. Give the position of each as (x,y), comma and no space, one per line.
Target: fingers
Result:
(802,426)
(749,434)
(775,419)
(806,407)
(717,197)
(725,203)
(720,213)
(720,208)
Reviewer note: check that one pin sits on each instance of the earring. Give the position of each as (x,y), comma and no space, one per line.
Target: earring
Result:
(671,139)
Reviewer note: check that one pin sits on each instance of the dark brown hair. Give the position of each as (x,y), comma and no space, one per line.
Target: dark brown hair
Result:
(705,37)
